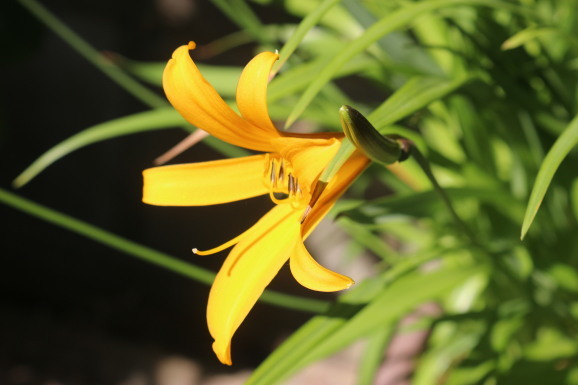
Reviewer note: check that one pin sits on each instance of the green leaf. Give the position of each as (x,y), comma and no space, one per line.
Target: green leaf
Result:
(157,119)
(100,61)
(240,13)
(324,334)
(142,121)
(304,27)
(527,35)
(393,302)
(365,237)
(425,203)
(145,253)
(395,20)
(552,161)
(297,78)
(574,198)
(282,362)
(414,95)
(374,355)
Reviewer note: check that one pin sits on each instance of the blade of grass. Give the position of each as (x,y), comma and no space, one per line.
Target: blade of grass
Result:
(304,27)
(242,15)
(389,306)
(144,253)
(396,20)
(143,121)
(424,164)
(526,35)
(374,355)
(398,46)
(93,56)
(414,95)
(132,124)
(287,358)
(365,237)
(552,161)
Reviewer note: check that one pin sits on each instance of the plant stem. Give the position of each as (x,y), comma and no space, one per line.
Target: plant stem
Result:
(146,253)
(93,56)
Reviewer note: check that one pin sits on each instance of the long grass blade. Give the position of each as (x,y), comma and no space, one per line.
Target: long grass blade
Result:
(555,156)
(100,61)
(304,27)
(394,21)
(145,253)
(140,122)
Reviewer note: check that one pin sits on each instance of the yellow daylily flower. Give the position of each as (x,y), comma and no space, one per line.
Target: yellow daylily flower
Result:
(287,170)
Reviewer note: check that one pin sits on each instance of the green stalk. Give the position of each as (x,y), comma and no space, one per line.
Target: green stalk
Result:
(93,56)
(146,253)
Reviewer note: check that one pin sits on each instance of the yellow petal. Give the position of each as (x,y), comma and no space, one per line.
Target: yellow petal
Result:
(252,91)
(312,275)
(205,183)
(248,269)
(352,168)
(201,105)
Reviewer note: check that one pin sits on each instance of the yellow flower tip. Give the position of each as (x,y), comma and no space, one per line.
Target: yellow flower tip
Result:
(312,275)
(192,45)
(223,352)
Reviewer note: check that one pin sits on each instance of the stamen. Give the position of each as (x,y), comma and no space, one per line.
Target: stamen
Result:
(291,184)
(283,185)
(273,175)
(317,191)
(305,214)
(281,171)
(224,246)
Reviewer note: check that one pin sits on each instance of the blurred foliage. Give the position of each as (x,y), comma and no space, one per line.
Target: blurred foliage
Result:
(488,92)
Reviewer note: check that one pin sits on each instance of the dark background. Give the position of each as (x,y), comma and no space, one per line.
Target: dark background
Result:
(76,311)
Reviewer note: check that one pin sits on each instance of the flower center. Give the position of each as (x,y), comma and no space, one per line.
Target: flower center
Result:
(281,181)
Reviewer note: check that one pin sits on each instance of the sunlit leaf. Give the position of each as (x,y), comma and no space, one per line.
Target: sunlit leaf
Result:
(555,156)
(397,19)
(140,122)
(349,319)
(526,35)
(374,356)
(306,24)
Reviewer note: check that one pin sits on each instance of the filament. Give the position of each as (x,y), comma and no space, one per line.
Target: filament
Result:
(281,181)
(224,246)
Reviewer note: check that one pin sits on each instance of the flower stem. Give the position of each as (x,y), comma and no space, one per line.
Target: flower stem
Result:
(146,253)
(424,164)
(93,56)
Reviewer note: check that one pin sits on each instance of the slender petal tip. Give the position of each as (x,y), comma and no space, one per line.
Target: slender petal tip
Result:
(223,352)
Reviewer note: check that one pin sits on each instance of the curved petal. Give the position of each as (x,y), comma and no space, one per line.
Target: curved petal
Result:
(205,183)
(248,269)
(312,275)
(252,91)
(200,104)
(350,170)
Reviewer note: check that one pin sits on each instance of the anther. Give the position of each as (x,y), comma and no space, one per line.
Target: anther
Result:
(273,174)
(281,171)
(291,184)
(317,191)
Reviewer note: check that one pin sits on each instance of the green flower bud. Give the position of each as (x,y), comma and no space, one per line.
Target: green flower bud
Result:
(379,148)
